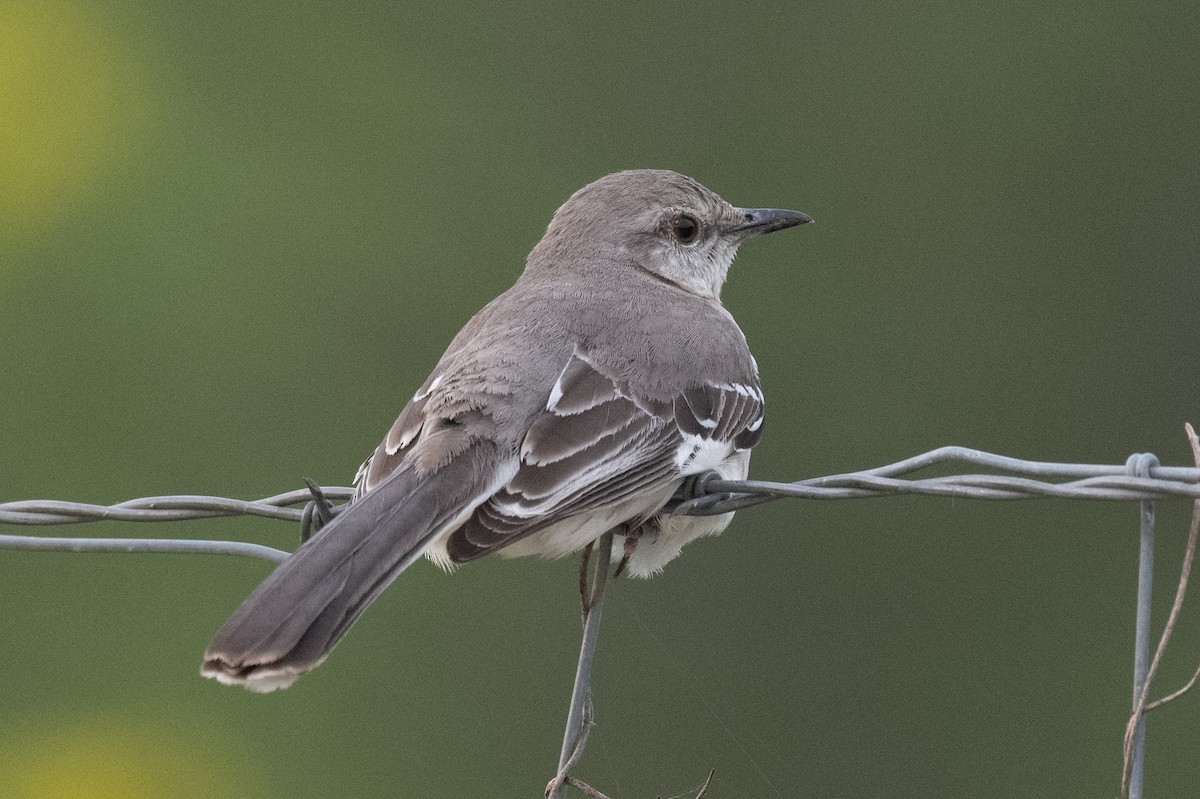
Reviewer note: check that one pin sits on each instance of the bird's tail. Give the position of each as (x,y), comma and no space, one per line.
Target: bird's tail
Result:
(292,620)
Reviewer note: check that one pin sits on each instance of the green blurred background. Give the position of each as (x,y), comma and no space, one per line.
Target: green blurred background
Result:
(235,238)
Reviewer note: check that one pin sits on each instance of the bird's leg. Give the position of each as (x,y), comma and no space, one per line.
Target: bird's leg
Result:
(632,535)
(584,602)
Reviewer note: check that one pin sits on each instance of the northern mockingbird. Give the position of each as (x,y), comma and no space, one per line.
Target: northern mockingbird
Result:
(574,403)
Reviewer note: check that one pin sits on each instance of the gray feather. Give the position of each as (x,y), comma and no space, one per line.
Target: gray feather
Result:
(297,615)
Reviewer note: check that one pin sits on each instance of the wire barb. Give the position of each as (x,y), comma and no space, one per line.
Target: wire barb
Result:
(316,513)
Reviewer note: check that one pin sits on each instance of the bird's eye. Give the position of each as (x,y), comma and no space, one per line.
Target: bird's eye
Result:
(685,228)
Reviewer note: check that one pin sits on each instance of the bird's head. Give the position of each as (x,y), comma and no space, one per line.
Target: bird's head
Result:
(660,221)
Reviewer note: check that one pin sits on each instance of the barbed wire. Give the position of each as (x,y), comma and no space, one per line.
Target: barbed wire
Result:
(159,509)
(170,508)
(1140,477)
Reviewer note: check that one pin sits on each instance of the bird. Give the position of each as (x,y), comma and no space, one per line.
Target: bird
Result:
(575,403)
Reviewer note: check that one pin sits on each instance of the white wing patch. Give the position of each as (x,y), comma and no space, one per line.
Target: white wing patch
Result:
(555,394)
(411,421)
(420,395)
(697,454)
(360,477)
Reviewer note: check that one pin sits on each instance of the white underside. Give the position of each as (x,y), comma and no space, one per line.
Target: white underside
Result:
(655,549)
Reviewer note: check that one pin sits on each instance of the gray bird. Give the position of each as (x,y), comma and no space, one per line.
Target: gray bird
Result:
(574,403)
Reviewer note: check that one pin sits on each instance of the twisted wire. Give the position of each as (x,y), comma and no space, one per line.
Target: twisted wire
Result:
(1009,479)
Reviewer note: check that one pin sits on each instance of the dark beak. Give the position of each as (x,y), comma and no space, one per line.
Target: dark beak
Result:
(766,220)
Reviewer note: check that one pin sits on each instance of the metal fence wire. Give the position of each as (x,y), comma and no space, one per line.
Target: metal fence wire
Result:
(1141,478)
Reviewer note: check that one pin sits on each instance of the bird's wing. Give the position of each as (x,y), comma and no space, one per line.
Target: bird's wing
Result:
(598,444)
(433,429)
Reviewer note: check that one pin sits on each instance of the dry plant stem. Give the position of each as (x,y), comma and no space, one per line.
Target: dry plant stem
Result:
(579,716)
(586,789)
(1185,572)
(580,744)
(1171,697)
(703,789)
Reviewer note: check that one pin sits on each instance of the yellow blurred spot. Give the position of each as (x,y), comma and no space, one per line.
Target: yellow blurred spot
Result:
(117,759)
(72,99)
